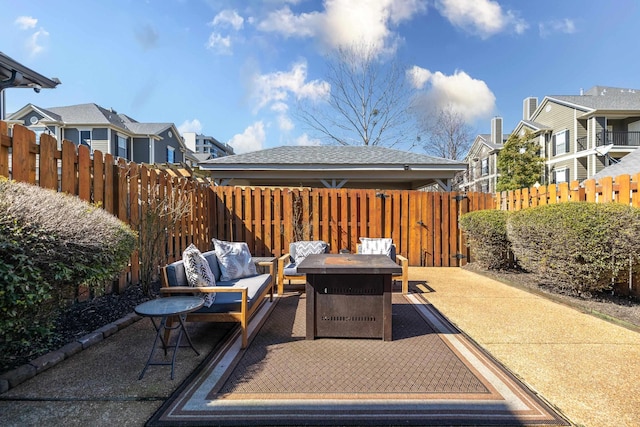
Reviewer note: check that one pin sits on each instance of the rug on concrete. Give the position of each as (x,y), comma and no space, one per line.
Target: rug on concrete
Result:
(429,374)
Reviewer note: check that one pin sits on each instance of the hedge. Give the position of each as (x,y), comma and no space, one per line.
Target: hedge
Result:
(487,237)
(51,244)
(578,246)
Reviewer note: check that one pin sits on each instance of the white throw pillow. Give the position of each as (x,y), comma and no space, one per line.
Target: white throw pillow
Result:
(376,246)
(198,272)
(234,260)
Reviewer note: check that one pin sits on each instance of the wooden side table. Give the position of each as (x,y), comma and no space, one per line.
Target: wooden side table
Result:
(164,308)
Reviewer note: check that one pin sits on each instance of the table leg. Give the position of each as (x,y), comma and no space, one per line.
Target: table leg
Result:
(160,329)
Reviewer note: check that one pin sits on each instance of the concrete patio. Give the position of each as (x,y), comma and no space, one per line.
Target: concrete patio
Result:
(584,366)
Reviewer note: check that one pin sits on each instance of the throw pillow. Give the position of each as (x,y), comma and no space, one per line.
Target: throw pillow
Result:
(198,272)
(234,260)
(376,246)
(305,248)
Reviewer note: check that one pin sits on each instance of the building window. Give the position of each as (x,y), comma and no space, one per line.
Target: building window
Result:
(85,138)
(484,166)
(561,175)
(122,147)
(561,143)
(171,155)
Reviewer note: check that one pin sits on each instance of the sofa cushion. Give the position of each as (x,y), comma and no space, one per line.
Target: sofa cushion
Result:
(231,301)
(198,272)
(234,260)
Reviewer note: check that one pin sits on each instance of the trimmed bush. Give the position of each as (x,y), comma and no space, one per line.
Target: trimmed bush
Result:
(487,237)
(580,247)
(50,245)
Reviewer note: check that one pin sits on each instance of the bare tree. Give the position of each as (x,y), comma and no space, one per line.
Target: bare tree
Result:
(448,134)
(368,103)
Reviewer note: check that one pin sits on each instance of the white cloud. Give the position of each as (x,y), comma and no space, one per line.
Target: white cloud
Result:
(277,87)
(484,18)
(305,140)
(228,18)
(565,26)
(26,22)
(418,76)
(345,22)
(284,22)
(285,123)
(469,97)
(35,42)
(219,43)
(252,139)
(190,126)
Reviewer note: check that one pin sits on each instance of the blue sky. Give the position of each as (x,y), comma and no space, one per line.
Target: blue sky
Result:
(235,70)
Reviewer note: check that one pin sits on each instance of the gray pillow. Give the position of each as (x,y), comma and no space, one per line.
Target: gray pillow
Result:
(234,260)
(301,250)
(198,272)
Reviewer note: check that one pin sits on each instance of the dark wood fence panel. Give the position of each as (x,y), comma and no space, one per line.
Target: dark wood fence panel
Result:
(423,225)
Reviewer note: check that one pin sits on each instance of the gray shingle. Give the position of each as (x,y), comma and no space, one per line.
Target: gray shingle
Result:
(332,155)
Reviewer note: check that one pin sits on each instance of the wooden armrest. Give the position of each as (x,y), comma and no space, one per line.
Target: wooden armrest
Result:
(284,258)
(400,259)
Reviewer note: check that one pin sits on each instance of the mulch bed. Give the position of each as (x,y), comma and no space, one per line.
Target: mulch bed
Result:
(78,320)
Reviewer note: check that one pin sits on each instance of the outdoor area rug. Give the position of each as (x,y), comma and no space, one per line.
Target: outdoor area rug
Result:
(429,374)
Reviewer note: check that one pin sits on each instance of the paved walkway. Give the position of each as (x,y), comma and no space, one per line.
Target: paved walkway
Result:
(586,367)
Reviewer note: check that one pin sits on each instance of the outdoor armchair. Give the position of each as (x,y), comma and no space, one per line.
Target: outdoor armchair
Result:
(386,247)
(288,263)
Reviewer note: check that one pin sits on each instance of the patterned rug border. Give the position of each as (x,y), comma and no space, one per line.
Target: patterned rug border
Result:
(514,403)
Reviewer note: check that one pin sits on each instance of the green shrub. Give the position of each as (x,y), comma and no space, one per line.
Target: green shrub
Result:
(487,237)
(581,247)
(50,245)
(70,241)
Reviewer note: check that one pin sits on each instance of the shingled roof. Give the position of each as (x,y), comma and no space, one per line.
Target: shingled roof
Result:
(352,166)
(604,98)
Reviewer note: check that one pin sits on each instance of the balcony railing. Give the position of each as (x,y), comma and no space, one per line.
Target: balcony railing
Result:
(621,138)
(581,143)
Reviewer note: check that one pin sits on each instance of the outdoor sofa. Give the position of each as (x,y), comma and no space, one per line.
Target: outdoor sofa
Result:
(236,300)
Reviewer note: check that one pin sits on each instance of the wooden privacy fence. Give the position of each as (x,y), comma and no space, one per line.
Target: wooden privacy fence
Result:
(621,189)
(124,189)
(423,225)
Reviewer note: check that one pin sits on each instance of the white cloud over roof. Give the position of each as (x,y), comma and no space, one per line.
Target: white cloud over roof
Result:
(483,18)
(26,22)
(345,22)
(276,88)
(469,97)
(252,139)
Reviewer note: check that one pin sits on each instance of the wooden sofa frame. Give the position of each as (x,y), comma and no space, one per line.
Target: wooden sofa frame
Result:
(242,316)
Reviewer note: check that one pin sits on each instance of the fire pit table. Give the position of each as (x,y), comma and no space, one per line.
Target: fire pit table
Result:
(348,295)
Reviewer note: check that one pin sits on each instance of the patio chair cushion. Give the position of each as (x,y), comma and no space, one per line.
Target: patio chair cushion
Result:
(300,250)
(198,272)
(234,259)
(292,270)
(374,246)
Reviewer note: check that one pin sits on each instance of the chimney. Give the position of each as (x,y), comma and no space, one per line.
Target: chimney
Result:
(528,107)
(496,130)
